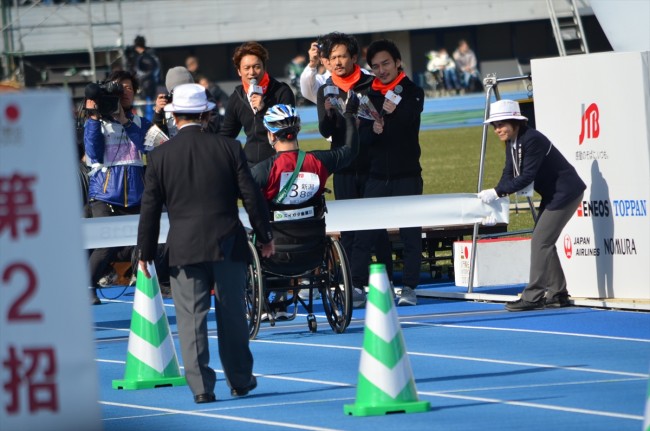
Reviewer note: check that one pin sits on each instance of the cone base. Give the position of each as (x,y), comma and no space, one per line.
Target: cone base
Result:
(387,409)
(150,383)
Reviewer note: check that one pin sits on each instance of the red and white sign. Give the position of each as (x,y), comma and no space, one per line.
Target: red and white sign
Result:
(48,373)
(600,123)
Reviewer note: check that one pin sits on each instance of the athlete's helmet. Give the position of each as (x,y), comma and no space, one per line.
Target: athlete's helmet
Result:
(280,118)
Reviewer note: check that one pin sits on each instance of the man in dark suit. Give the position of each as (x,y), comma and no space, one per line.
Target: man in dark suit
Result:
(199,177)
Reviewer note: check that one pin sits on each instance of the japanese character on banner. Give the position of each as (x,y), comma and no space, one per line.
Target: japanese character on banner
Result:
(34,371)
(17,205)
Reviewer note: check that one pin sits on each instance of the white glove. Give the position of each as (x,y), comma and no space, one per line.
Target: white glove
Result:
(488,195)
(96,167)
(489,221)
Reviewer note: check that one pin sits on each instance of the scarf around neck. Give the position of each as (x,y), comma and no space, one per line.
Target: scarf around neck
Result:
(384,88)
(345,83)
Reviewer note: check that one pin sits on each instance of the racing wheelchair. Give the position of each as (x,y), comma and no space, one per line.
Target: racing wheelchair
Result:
(305,258)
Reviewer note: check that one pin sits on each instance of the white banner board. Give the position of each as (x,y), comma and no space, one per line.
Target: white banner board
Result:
(48,373)
(595,109)
(443,210)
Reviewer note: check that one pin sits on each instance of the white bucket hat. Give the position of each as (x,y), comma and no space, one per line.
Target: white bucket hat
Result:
(189,99)
(504,110)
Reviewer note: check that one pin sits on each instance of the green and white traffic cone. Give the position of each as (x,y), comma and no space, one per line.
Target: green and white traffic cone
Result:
(151,360)
(386,382)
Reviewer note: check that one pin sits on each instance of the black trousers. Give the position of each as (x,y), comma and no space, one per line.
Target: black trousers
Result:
(352,186)
(410,237)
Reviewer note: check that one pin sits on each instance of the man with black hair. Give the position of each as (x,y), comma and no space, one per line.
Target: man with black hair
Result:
(394,159)
(250,100)
(341,51)
(114,147)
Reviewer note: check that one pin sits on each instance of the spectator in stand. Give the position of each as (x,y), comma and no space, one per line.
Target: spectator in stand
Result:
(250,100)
(147,71)
(443,67)
(394,169)
(114,146)
(192,64)
(467,66)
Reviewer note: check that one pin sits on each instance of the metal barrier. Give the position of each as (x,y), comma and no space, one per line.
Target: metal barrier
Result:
(490,83)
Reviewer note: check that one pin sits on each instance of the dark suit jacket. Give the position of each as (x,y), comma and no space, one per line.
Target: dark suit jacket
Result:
(199,177)
(556,180)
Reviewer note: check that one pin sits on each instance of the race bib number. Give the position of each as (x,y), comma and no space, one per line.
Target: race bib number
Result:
(303,189)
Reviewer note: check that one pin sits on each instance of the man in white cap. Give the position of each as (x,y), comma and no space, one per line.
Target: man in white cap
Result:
(532,161)
(199,177)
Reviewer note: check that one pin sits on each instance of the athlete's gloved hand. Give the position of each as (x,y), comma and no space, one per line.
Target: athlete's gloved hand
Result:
(488,195)
(352,105)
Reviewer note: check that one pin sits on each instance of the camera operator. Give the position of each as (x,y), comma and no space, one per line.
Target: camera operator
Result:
(114,143)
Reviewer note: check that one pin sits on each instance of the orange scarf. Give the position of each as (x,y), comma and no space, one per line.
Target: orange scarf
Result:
(264,83)
(347,82)
(378,86)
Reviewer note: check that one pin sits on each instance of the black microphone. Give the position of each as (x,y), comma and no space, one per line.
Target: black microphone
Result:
(253,88)
(393,96)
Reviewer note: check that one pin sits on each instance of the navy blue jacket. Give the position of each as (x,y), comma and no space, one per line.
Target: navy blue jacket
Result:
(556,180)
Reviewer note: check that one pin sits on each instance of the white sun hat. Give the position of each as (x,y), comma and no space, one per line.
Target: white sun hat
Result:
(504,110)
(189,99)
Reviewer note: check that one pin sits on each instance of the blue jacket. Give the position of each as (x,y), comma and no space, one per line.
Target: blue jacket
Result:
(556,180)
(120,150)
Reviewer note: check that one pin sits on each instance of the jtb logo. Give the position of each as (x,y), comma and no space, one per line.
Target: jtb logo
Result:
(590,126)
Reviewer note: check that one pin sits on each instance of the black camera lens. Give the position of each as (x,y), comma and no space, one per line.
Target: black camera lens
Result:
(169,97)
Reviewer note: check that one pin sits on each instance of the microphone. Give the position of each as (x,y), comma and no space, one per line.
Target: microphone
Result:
(331,90)
(253,88)
(393,96)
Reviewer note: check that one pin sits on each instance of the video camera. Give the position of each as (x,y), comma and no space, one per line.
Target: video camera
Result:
(106,95)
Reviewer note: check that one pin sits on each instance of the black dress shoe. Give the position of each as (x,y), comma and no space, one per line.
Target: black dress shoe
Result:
(235,392)
(523,305)
(205,398)
(558,302)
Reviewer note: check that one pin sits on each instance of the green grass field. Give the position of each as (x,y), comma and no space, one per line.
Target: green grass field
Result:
(450,164)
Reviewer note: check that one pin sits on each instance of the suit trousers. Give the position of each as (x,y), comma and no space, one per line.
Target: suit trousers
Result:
(546,274)
(191,287)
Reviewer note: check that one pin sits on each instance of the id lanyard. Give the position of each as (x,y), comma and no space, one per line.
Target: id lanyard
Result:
(515,151)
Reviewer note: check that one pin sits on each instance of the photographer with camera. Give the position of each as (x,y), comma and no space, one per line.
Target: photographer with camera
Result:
(114,143)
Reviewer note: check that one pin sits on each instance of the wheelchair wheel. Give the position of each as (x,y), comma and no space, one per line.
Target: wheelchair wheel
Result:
(337,292)
(254,298)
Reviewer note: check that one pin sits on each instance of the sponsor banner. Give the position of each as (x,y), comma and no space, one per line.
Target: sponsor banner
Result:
(605,248)
(48,373)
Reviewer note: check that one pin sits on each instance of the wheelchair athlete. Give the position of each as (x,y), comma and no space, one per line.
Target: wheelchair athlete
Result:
(291,193)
